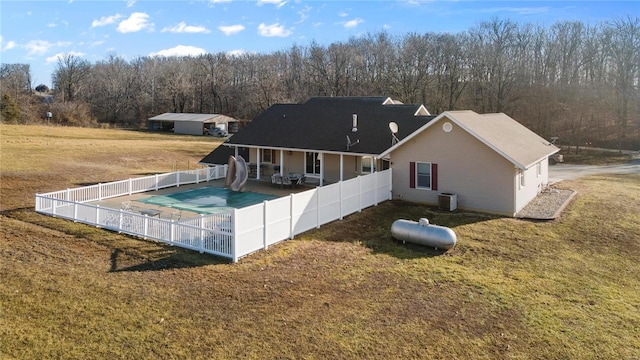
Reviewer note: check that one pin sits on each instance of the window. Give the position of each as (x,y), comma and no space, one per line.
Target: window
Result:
(365,165)
(312,163)
(268,156)
(423,176)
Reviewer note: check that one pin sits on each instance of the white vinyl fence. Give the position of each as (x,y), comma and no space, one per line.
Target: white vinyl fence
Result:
(234,234)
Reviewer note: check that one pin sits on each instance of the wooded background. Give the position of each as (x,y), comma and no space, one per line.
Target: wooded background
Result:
(573,80)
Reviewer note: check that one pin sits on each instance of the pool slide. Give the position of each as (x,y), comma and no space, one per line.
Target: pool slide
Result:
(237,173)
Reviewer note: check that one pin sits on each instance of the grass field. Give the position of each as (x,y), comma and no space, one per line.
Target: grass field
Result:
(510,289)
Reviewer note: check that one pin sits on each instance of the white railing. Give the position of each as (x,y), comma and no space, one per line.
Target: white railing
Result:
(234,234)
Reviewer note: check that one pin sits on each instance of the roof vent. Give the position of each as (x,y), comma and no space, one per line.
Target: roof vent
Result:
(355,123)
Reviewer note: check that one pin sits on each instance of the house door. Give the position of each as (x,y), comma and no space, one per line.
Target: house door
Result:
(312,163)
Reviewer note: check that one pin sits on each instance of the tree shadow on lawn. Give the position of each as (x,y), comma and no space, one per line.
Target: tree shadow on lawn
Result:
(372,228)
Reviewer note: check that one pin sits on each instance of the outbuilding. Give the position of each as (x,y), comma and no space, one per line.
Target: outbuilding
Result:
(192,124)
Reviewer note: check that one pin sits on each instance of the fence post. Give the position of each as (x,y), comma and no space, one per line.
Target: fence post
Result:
(197,176)
(98,215)
(120,223)
(375,189)
(341,200)
(201,233)
(53,207)
(68,195)
(156,182)
(145,225)
(291,225)
(264,224)
(177,178)
(130,186)
(171,236)
(359,193)
(234,235)
(318,207)
(75,211)
(99,191)
(390,186)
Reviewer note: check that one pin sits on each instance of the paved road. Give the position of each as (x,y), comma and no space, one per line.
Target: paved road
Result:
(560,172)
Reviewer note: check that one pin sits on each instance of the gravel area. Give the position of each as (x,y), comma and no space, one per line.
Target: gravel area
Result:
(547,205)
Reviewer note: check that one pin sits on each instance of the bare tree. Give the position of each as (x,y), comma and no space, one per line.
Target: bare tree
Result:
(70,75)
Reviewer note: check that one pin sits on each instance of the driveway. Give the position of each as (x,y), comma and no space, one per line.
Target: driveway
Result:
(561,172)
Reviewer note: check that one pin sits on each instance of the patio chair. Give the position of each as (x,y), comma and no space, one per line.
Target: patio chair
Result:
(126,206)
(300,181)
(286,181)
(276,179)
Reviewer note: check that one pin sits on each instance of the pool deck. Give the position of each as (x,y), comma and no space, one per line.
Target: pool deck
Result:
(257,186)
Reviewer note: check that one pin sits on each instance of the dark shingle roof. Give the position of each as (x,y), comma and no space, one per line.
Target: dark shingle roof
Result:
(220,155)
(323,123)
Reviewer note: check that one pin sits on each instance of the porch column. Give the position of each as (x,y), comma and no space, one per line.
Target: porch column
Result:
(321,155)
(281,162)
(373,163)
(258,164)
(236,149)
(341,166)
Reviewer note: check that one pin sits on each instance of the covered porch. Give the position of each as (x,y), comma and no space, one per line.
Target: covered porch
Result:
(319,168)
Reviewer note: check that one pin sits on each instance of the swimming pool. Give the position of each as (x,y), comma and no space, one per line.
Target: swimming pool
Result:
(208,200)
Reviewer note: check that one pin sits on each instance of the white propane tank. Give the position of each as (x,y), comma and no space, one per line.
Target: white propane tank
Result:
(421,232)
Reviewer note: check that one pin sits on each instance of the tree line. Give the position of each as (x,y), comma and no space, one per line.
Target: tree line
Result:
(573,80)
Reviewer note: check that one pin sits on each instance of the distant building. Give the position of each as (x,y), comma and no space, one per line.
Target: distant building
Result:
(192,124)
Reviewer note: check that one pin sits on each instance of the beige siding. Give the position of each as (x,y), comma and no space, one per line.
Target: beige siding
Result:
(535,180)
(482,179)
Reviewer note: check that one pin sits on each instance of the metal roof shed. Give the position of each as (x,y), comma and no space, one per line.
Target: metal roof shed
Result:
(192,124)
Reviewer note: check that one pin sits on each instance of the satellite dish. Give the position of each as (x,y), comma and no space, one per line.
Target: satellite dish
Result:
(393,127)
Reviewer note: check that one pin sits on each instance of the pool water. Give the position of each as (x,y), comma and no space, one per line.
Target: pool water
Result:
(208,200)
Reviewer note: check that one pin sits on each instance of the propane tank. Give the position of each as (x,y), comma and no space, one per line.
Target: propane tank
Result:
(423,233)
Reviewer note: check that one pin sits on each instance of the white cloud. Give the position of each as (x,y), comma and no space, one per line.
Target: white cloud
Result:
(136,22)
(343,14)
(352,23)
(277,3)
(38,47)
(180,50)
(10,45)
(231,29)
(130,3)
(237,52)
(219,1)
(182,27)
(54,58)
(304,14)
(273,30)
(51,25)
(105,20)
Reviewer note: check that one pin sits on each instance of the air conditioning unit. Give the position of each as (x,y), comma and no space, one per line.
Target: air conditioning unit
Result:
(447,201)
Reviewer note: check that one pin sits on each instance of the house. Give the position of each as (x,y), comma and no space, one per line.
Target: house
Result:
(490,162)
(329,139)
(192,124)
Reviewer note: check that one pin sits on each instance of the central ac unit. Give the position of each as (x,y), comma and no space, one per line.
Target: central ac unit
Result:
(447,201)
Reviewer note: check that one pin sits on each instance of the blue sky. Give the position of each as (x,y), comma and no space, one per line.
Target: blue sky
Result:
(39,32)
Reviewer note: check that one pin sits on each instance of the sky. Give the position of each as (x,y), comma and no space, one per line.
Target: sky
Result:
(39,32)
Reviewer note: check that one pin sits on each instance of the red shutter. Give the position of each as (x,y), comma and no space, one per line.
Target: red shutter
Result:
(434,176)
(412,175)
